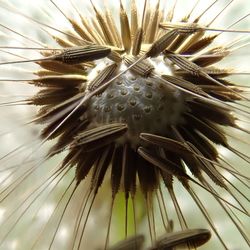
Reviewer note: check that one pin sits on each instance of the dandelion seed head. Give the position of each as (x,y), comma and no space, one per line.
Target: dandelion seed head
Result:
(140,111)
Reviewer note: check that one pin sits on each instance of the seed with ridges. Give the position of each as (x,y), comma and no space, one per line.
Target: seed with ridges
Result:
(83,54)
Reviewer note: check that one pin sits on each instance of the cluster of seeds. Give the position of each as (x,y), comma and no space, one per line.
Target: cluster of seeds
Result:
(141,103)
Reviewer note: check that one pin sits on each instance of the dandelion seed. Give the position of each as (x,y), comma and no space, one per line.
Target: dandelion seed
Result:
(139,115)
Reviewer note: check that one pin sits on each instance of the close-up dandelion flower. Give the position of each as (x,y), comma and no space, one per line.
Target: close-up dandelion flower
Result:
(125,124)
